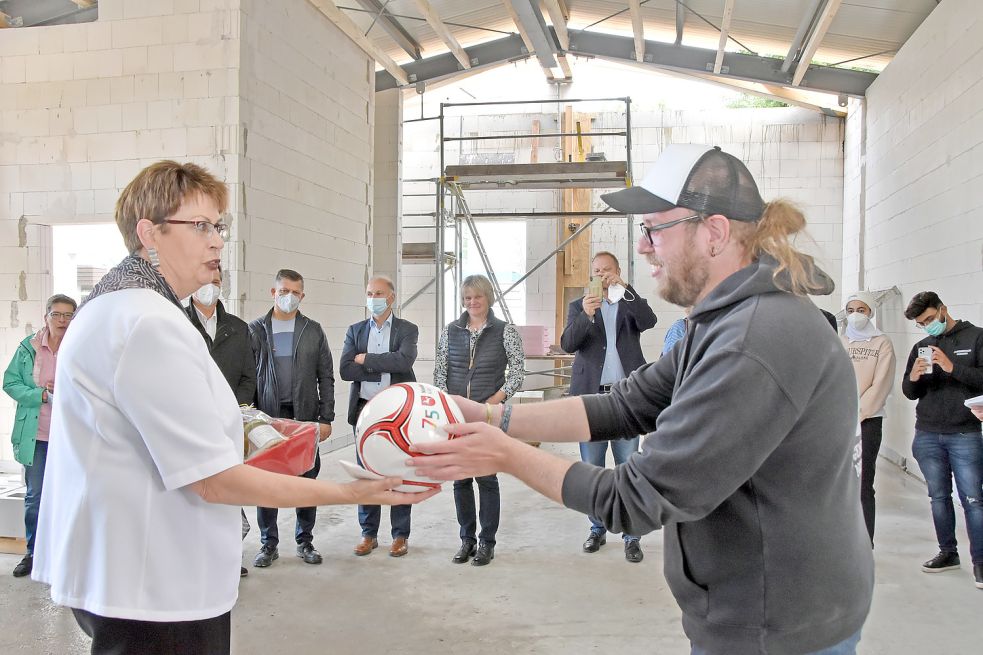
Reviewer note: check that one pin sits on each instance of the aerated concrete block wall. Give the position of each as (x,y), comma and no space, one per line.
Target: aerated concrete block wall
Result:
(916,153)
(271,97)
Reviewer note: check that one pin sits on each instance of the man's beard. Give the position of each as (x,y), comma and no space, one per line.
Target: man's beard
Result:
(684,279)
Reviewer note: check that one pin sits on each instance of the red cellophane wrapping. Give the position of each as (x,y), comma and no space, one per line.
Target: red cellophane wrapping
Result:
(293,455)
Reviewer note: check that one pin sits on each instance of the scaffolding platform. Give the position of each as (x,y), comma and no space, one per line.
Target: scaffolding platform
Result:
(547,175)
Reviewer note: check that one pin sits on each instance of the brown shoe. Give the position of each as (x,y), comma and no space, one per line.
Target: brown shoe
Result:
(366,546)
(399,547)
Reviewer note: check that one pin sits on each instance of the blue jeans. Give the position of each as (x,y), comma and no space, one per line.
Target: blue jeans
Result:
(846,647)
(942,457)
(34,475)
(370,515)
(594,452)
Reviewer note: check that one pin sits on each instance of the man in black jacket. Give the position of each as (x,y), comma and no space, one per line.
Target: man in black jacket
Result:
(948,443)
(604,332)
(378,352)
(227,337)
(295,380)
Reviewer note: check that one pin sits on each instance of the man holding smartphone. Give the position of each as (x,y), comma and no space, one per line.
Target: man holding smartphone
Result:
(603,330)
(948,443)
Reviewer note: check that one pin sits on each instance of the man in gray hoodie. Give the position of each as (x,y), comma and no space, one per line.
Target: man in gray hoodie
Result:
(749,465)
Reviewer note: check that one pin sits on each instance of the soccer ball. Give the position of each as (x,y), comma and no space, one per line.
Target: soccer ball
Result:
(398,416)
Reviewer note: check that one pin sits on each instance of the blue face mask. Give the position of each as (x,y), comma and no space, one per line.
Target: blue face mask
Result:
(377,306)
(936,327)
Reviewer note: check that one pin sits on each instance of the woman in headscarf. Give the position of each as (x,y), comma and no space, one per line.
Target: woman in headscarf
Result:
(873,362)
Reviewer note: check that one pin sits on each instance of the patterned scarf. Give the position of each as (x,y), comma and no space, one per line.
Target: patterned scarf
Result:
(134,272)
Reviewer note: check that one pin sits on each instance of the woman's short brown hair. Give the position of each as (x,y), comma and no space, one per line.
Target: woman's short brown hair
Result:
(157,193)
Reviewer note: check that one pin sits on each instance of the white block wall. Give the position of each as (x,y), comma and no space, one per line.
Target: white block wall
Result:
(271,97)
(923,200)
(387,151)
(83,108)
(306,167)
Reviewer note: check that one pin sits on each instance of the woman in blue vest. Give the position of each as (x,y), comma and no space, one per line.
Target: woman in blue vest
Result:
(479,357)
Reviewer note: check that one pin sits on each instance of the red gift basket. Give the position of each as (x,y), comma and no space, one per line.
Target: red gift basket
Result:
(279,445)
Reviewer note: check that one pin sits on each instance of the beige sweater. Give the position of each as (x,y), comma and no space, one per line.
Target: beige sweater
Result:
(874,364)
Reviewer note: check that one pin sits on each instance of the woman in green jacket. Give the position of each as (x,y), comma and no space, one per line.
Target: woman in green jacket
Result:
(30,380)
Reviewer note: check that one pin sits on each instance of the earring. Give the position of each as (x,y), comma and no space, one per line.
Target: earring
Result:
(154,259)
(713,251)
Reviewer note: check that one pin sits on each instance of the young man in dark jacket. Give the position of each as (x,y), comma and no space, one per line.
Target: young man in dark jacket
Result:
(295,380)
(948,443)
(378,352)
(749,465)
(605,334)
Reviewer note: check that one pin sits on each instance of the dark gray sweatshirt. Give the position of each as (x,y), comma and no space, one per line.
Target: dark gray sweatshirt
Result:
(749,467)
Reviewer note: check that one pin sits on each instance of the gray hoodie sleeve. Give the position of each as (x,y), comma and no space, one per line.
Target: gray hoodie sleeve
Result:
(728,415)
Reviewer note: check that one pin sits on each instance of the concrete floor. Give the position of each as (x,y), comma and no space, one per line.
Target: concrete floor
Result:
(541,595)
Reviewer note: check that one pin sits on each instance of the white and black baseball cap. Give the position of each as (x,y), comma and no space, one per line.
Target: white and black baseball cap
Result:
(699,177)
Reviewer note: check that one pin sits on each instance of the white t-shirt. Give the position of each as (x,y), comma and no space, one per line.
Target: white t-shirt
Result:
(141,411)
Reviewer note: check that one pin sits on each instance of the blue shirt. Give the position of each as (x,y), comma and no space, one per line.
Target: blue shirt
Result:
(283,358)
(675,332)
(612,370)
(378,343)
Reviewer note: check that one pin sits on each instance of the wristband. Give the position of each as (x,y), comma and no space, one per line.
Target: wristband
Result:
(488,413)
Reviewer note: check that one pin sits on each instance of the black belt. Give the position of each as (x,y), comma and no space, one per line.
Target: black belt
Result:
(605,388)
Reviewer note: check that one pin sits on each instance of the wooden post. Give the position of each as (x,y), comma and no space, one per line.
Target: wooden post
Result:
(573,262)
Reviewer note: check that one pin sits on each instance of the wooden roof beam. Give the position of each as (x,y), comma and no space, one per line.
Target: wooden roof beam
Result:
(638,27)
(724,30)
(346,25)
(559,20)
(393,28)
(445,35)
(815,39)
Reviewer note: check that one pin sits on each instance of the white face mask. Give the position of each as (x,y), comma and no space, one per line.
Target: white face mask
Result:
(208,295)
(858,321)
(616,292)
(287,304)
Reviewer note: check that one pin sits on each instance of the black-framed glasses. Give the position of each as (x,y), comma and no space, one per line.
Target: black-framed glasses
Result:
(647,230)
(65,315)
(204,228)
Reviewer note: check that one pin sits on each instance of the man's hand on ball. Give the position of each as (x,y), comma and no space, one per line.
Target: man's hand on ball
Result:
(476,449)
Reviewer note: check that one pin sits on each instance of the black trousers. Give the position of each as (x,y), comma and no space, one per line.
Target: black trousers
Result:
(130,637)
(870,445)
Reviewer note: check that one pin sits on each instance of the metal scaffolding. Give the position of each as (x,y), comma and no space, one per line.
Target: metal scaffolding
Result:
(452,215)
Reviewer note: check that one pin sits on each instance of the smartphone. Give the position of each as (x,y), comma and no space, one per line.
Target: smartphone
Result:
(926,353)
(596,287)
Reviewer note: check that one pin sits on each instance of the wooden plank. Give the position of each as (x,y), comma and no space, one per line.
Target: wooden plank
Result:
(445,35)
(638,27)
(534,144)
(581,168)
(346,25)
(559,22)
(724,29)
(13,545)
(816,38)
(573,262)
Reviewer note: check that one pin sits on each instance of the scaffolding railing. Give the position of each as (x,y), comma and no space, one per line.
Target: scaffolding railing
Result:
(452,212)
